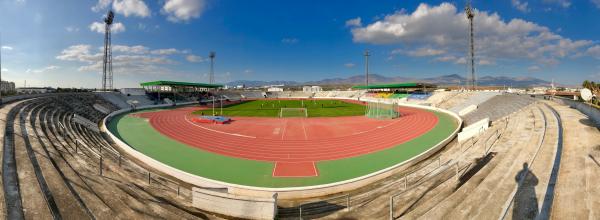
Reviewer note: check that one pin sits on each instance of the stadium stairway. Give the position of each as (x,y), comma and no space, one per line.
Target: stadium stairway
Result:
(476,98)
(65,170)
(497,107)
(487,188)
(577,192)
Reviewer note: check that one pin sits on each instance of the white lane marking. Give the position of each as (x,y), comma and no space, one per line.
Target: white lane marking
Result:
(378,127)
(222,132)
(284,127)
(304,129)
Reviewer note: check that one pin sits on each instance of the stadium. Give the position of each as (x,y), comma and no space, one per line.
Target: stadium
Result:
(170,137)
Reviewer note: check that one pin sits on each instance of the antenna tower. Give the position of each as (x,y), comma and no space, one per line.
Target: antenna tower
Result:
(212,67)
(367,54)
(470,14)
(107,73)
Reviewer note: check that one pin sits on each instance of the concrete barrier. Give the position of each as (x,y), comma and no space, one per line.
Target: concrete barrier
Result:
(467,110)
(592,112)
(234,205)
(474,129)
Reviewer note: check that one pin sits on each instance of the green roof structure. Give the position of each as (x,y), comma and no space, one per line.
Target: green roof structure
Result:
(173,83)
(397,86)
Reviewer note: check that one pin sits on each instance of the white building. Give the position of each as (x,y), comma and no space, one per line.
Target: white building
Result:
(7,87)
(274,89)
(312,89)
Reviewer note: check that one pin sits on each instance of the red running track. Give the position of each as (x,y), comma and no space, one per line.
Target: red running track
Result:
(290,141)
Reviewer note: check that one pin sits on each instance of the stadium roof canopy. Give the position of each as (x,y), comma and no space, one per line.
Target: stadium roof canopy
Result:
(397,86)
(173,83)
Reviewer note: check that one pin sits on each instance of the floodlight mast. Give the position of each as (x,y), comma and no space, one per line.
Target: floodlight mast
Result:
(107,73)
(470,15)
(212,56)
(367,54)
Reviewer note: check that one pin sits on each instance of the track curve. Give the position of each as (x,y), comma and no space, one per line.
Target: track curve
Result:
(175,124)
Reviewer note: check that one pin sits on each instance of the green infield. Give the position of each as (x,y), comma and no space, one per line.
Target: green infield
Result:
(273,108)
(139,134)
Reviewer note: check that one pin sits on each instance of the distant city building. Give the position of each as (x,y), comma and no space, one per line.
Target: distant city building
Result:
(7,87)
(35,90)
(240,86)
(312,89)
(275,89)
(133,91)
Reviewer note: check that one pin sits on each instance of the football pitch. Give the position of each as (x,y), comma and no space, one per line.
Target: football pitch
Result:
(272,108)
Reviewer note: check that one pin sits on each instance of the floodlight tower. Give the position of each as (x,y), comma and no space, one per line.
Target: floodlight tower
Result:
(107,73)
(212,66)
(470,15)
(367,54)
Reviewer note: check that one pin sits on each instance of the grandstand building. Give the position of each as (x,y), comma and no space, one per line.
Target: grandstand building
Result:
(312,89)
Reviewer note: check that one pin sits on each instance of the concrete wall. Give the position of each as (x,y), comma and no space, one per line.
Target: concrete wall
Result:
(233,205)
(585,108)
(467,110)
(283,193)
(474,129)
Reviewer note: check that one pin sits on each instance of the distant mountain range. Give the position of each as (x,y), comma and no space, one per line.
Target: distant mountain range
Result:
(446,80)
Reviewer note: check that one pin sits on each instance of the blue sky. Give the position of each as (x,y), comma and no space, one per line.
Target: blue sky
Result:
(57,43)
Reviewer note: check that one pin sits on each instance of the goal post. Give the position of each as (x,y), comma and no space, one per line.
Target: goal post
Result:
(293,112)
(379,110)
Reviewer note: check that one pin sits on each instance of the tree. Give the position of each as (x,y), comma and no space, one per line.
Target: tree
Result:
(586,84)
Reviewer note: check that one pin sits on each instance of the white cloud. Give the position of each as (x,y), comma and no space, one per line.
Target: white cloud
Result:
(4,70)
(131,8)
(101,5)
(534,68)
(521,5)
(596,2)
(444,28)
(42,70)
(138,49)
(71,29)
(136,59)
(168,51)
(448,58)
(117,27)
(424,51)
(349,65)
(7,48)
(594,51)
(356,22)
(485,62)
(183,10)
(561,3)
(194,59)
(289,40)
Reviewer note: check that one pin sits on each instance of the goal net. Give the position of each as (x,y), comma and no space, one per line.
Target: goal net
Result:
(381,110)
(293,112)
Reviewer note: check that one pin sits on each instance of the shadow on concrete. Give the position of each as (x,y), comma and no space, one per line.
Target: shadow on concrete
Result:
(589,123)
(525,205)
(479,164)
(313,210)
(594,159)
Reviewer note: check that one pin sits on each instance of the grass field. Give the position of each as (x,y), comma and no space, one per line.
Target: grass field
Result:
(139,134)
(271,108)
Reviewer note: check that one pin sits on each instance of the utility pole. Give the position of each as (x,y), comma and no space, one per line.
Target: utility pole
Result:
(367,54)
(470,16)
(212,55)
